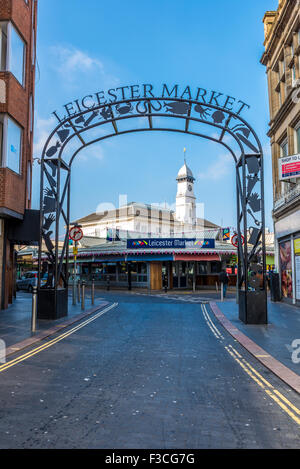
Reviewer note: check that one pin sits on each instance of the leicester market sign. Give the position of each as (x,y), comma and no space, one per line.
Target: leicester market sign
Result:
(171,243)
(147,91)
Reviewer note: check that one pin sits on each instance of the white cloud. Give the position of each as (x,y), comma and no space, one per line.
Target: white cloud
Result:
(75,66)
(94,151)
(222,166)
(42,130)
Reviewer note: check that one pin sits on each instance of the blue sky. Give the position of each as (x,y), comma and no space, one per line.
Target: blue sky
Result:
(214,45)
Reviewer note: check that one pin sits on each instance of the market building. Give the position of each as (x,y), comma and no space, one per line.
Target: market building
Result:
(153,247)
(18,21)
(282,61)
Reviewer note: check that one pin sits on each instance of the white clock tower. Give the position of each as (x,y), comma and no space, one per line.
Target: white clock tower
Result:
(185,198)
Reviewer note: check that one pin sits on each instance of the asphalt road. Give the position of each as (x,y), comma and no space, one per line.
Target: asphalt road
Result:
(148,373)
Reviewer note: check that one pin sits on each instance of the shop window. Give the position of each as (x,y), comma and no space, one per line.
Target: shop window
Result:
(285,253)
(215,267)
(12,49)
(202,268)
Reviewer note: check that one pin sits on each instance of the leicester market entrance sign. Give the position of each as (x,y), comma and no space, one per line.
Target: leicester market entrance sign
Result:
(146,91)
(197,112)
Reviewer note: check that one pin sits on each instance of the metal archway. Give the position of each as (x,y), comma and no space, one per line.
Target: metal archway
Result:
(198,119)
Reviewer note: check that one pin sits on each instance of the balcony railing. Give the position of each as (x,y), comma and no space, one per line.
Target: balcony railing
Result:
(287,197)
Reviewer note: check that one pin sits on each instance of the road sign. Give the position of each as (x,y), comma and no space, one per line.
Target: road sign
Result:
(235,240)
(76,233)
(226,234)
(75,251)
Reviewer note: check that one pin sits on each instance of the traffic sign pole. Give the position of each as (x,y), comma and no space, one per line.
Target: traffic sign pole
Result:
(76,235)
(75,250)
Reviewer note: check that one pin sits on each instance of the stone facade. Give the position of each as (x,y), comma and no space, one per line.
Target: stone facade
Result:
(282,61)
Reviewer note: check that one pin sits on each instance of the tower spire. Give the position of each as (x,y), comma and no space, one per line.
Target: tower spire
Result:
(184,157)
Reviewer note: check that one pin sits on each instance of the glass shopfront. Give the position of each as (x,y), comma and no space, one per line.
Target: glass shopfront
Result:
(116,272)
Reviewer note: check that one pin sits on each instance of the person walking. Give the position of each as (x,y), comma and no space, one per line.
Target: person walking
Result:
(225,280)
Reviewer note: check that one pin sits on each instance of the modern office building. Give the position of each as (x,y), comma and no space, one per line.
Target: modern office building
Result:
(18,21)
(282,61)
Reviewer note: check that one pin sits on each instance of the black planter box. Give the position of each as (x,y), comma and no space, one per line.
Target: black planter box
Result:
(52,304)
(253,307)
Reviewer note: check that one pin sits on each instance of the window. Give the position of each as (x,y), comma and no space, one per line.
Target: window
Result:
(297,138)
(17,53)
(3,46)
(11,140)
(284,149)
(294,75)
(12,51)
(13,156)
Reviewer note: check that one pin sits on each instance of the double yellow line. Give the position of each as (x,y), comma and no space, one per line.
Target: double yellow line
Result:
(52,342)
(289,408)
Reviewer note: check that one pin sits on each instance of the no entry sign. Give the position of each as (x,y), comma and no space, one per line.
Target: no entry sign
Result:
(235,240)
(76,233)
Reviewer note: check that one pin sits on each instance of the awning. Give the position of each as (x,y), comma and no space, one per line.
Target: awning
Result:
(196,257)
(162,258)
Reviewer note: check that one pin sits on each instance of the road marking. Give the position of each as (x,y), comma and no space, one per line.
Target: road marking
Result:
(266,386)
(210,322)
(207,322)
(290,409)
(56,340)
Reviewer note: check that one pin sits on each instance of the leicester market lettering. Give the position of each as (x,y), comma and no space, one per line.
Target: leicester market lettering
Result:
(146,91)
(156,243)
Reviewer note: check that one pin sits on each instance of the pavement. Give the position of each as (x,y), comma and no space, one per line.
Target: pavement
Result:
(15,322)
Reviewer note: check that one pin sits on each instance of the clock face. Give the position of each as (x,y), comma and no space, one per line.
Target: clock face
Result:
(190,187)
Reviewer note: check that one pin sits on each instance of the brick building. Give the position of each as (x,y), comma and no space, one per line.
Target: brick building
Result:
(18,19)
(282,61)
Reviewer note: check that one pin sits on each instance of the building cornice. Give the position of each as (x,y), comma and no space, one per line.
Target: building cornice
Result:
(280,22)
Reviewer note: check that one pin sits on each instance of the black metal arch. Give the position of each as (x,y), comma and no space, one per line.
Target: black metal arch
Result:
(244,146)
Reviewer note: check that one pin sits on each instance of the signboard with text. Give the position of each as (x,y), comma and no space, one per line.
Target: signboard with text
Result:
(289,167)
(170,243)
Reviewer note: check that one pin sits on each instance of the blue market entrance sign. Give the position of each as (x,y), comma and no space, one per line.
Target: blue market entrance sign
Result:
(170,243)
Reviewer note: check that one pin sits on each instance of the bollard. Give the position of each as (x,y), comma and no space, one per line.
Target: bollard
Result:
(93,291)
(222,294)
(78,291)
(74,292)
(34,309)
(83,295)
(107,283)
